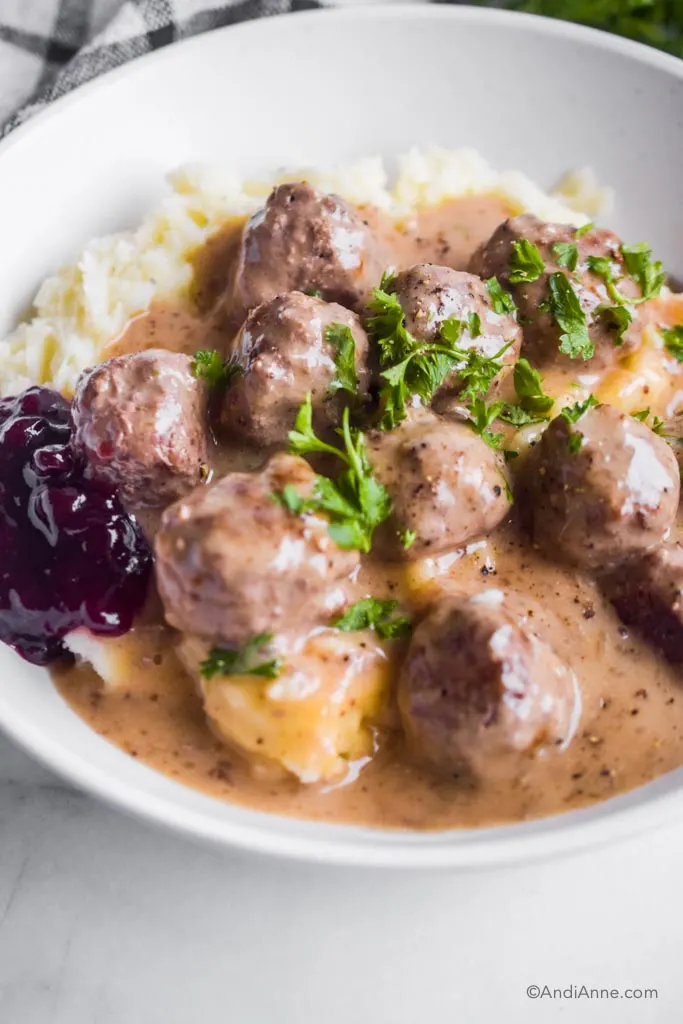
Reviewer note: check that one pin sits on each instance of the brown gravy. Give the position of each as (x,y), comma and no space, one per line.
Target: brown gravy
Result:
(632,704)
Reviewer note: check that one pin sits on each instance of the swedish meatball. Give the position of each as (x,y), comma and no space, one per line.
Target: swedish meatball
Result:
(140,424)
(285,351)
(303,240)
(600,490)
(648,593)
(430,294)
(541,331)
(447,486)
(232,561)
(480,692)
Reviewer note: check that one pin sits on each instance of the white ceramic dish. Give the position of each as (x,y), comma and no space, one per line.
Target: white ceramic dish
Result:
(529,93)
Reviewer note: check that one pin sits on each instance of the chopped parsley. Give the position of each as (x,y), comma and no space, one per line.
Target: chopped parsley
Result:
(481,418)
(526,263)
(313,293)
(407,538)
(649,273)
(533,401)
(341,339)
(617,317)
(249,660)
(355,503)
(209,365)
(573,413)
(501,300)
(658,426)
(474,325)
(641,415)
(575,441)
(584,229)
(673,341)
(374,613)
(566,255)
(646,272)
(412,367)
(566,310)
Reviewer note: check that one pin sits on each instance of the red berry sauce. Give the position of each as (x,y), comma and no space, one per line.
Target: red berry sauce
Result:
(70,555)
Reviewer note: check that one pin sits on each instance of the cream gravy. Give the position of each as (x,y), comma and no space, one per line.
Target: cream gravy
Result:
(632,703)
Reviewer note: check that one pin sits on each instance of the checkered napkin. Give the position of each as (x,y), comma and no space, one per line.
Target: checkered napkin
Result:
(48,47)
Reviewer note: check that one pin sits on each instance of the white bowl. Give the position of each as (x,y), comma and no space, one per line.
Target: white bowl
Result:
(533,94)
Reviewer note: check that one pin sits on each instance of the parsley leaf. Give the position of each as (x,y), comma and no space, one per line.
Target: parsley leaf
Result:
(566,310)
(617,317)
(673,341)
(355,503)
(534,403)
(408,538)
(573,413)
(641,415)
(242,661)
(209,365)
(649,273)
(584,229)
(374,613)
(340,337)
(474,325)
(413,367)
(526,263)
(566,255)
(482,416)
(290,499)
(658,426)
(303,439)
(575,441)
(529,388)
(501,300)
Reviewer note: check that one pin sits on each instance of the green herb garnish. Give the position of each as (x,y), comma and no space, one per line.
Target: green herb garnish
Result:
(209,365)
(533,401)
(649,273)
(411,367)
(482,416)
(355,503)
(573,413)
(374,613)
(641,415)
(242,661)
(407,538)
(566,255)
(501,301)
(617,317)
(673,341)
(340,337)
(584,229)
(526,263)
(566,310)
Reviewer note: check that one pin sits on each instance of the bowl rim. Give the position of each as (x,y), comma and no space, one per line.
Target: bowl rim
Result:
(646,807)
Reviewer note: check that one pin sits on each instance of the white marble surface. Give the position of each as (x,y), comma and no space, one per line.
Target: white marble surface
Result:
(105,921)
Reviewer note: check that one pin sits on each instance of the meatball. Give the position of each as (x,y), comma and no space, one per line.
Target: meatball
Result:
(286,352)
(600,490)
(140,423)
(541,332)
(479,691)
(430,294)
(447,486)
(303,240)
(648,594)
(232,561)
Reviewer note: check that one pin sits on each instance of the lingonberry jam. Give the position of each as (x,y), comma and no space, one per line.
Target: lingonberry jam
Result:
(70,555)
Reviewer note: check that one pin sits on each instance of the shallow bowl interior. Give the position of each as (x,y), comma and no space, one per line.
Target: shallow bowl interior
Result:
(533,94)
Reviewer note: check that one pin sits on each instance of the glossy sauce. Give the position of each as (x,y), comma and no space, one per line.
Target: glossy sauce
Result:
(632,703)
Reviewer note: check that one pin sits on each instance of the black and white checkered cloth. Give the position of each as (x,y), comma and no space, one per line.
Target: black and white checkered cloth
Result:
(48,47)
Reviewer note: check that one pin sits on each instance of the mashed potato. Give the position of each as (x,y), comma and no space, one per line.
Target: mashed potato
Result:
(85,305)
